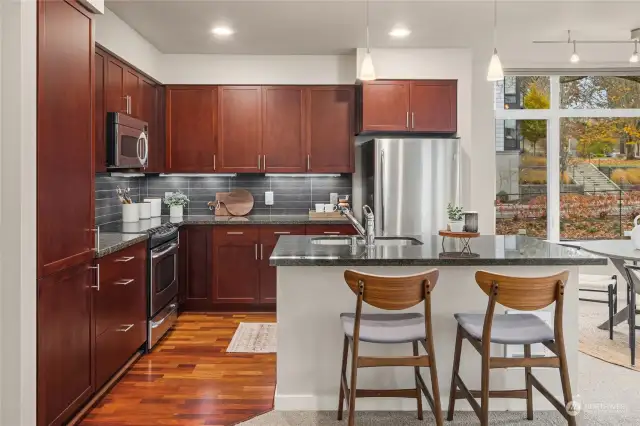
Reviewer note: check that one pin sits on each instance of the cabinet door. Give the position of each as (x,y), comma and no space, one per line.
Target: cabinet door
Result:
(191,128)
(240,129)
(269,236)
(385,106)
(236,264)
(132,91)
(330,129)
(198,263)
(283,133)
(100,115)
(149,113)
(331,230)
(115,93)
(65,343)
(434,106)
(65,133)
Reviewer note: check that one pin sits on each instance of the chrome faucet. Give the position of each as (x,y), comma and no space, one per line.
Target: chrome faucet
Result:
(367,233)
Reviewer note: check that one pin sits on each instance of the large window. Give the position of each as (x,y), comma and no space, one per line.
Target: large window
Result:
(568,161)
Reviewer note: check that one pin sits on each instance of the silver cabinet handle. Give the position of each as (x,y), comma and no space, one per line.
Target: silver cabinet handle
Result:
(308,162)
(258,161)
(407,125)
(235,233)
(97,268)
(282,233)
(126,328)
(214,162)
(382,191)
(413,120)
(126,104)
(264,162)
(129,104)
(261,256)
(256,249)
(97,239)
(332,232)
(124,281)
(125,259)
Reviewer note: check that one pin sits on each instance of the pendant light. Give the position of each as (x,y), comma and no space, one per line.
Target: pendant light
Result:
(574,56)
(367,72)
(634,58)
(495,72)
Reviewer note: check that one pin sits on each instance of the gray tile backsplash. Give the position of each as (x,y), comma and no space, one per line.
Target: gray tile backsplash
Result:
(292,195)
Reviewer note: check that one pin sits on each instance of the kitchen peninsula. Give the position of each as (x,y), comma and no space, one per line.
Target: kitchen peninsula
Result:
(312,293)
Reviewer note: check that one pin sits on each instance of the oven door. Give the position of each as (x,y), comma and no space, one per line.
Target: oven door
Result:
(132,147)
(164,276)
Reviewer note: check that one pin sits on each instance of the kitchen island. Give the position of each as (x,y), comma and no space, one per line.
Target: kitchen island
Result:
(312,293)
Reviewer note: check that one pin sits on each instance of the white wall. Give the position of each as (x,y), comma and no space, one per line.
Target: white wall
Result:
(116,36)
(18,216)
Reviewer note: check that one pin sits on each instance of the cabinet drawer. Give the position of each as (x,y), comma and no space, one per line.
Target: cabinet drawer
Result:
(330,230)
(269,234)
(232,234)
(124,262)
(115,346)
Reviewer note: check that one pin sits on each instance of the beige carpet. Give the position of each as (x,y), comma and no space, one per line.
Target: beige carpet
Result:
(596,342)
(254,337)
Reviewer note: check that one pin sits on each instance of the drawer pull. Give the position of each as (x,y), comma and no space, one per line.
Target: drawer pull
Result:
(332,232)
(125,259)
(235,233)
(126,328)
(125,281)
(282,233)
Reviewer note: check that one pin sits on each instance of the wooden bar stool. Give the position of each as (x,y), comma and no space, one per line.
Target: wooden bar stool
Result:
(390,293)
(526,294)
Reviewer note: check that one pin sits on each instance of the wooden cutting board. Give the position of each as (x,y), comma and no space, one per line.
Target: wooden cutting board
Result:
(219,205)
(239,202)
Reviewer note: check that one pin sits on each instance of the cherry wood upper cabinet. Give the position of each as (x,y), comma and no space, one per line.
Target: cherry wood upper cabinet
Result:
(385,105)
(116,101)
(132,91)
(434,106)
(65,342)
(191,113)
(65,161)
(330,129)
(236,264)
(148,110)
(100,112)
(283,132)
(240,129)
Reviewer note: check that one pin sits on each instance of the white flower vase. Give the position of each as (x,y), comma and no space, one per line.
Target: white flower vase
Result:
(175,211)
(456,225)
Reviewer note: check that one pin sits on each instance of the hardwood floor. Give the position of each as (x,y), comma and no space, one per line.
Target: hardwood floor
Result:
(189,379)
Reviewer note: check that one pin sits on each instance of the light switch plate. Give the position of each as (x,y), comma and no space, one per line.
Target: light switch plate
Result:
(333,198)
(268,198)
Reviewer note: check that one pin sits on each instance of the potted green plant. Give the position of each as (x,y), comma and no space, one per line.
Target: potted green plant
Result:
(176,202)
(456,222)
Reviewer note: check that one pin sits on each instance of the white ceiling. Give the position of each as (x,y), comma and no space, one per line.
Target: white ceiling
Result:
(338,27)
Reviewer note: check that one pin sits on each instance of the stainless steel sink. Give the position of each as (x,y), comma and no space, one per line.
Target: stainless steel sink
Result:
(379,241)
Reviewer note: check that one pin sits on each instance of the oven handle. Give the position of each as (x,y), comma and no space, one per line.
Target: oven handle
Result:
(173,246)
(159,323)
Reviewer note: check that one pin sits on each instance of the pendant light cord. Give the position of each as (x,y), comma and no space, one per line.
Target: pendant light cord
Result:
(495,25)
(366,13)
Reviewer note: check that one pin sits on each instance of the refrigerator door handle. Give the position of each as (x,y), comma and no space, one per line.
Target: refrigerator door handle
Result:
(382,191)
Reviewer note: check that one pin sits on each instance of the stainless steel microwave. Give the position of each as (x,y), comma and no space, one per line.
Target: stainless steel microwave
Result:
(127,142)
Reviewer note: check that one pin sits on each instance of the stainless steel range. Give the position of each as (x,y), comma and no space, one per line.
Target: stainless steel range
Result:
(162,273)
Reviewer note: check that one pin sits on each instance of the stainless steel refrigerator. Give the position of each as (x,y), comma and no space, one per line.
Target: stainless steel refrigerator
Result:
(409,183)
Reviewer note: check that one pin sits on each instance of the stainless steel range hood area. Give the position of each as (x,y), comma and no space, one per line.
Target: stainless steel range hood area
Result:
(409,183)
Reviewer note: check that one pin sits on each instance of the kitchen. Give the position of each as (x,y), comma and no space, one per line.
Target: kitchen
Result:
(204,126)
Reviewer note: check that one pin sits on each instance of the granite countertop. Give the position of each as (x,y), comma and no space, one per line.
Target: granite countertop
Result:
(487,250)
(118,235)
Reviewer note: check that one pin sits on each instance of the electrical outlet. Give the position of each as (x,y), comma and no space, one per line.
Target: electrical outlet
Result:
(268,198)
(333,198)
(168,194)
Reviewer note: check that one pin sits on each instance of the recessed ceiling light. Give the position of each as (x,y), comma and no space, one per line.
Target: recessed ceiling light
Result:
(222,31)
(399,32)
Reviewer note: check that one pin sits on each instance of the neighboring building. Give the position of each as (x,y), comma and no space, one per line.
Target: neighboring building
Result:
(509,142)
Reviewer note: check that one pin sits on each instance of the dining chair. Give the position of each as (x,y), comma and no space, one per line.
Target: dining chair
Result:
(390,293)
(523,294)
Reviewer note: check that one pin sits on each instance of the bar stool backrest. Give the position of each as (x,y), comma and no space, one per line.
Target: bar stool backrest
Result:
(392,293)
(523,293)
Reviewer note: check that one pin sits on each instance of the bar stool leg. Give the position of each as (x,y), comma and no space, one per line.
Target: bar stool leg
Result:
(343,372)
(484,386)
(416,371)
(353,386)
(456,367)
(527,379)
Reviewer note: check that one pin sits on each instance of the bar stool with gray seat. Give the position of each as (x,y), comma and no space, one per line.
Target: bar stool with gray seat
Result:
(390,293)
(525,294)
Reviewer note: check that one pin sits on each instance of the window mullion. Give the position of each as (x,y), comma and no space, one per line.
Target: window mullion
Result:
(553,162)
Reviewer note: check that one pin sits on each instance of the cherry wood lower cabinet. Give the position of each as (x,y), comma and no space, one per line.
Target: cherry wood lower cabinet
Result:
(269,236)
(120,308)
(331,230)
(65,343)
(236,264)
(196,268)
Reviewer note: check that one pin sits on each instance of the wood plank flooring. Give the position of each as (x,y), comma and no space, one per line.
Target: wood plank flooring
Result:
(189,379)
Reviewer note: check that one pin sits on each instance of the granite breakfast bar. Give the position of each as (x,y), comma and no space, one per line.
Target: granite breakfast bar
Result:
(312,293)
